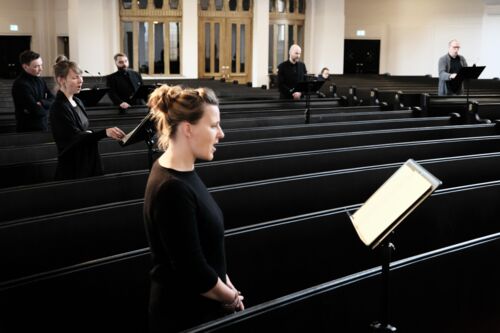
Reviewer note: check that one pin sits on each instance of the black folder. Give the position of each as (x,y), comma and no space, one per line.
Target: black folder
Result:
(308,87)
(141,132)
(465,73)
(90,97)
(143,92)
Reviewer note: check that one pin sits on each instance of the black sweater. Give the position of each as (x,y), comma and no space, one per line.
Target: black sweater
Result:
(27,91)
(185,231)
(288,76)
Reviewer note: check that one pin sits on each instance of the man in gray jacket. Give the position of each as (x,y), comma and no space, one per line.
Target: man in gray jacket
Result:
(448,67)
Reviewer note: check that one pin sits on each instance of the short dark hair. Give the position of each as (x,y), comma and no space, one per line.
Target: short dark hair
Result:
(119,54)
(26,57)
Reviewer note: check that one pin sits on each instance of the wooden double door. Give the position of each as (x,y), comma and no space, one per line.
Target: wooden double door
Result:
(225,48)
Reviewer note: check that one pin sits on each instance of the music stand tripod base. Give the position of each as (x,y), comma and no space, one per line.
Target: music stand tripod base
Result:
(379,327)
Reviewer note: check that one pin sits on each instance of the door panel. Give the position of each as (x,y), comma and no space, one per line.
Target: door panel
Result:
(224,49)
(361,56)
(11,47)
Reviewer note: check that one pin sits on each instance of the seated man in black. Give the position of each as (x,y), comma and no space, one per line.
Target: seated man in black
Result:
(32,97)
(291,72)
(123,84)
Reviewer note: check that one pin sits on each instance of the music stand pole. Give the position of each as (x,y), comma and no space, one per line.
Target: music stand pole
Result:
(467,99)
(306,87)
(308,107)
(150,142)
(383,326)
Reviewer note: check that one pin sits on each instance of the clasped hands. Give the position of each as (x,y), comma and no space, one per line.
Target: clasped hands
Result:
(237,303)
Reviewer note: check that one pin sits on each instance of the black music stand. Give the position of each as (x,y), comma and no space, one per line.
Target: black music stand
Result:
(328,88)
(308,88)
(90,97)
(145,131)
(379,216)
(143,92)
(465,74)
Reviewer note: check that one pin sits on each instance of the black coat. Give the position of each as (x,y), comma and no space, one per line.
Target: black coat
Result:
(288,76)
(27,92)
(78,154)
(123,85)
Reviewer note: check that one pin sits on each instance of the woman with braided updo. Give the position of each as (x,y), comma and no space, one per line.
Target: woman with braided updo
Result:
(189,283)
(78,154)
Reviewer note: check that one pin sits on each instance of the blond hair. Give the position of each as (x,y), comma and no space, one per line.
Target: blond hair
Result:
(171,105)
(63,66)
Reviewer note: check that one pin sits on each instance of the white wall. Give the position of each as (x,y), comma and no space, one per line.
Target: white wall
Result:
(414,34)
(260,43)
(324,42)
(93,34)
(18,12)
(44,20)
(189,29)
(61,17)
(489,50)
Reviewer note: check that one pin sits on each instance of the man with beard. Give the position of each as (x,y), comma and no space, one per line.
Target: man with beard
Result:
(123,84)
(32,97)
(449,65)
(291,72)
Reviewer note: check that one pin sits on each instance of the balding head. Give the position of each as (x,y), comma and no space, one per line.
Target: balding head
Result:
(295,52)
(453,47)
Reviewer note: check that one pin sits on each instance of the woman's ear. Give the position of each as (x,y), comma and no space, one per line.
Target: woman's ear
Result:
(60,81)
(186,129)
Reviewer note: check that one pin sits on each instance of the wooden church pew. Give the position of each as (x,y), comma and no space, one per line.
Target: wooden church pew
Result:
(91,284)
(485,112)
(40,151)
(99,231)
(43,171)
(52,197)
(453,289)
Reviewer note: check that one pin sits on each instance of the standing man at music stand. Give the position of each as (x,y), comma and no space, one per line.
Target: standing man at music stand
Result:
(449,65)
(291,72)
(123,84)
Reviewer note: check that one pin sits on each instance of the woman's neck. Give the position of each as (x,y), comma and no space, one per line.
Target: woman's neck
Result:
(177,158)
(69,96)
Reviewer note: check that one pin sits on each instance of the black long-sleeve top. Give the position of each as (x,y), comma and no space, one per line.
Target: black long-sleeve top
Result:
(27,92)
(78,154)
(185,231)
(289,74)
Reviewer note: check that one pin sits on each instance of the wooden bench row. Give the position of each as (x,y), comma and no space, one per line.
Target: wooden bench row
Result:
(43,171)
(263,259)
(52,197)
(40,151)
(99,231)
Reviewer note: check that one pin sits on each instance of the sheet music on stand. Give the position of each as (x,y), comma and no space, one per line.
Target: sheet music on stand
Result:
(90,97)
(138,133)
(405,190)
(145,131)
